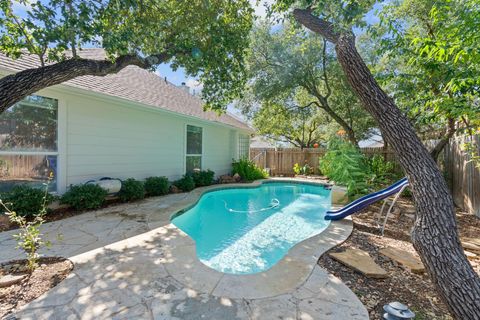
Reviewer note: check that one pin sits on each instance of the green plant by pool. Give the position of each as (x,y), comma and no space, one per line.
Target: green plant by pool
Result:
(248,230)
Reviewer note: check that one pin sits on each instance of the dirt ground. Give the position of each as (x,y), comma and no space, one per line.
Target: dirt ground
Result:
(50,272)
(414,290)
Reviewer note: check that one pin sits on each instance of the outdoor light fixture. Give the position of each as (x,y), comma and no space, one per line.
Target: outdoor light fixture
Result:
(397,311)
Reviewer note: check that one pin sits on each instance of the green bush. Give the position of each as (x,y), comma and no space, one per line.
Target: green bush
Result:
(131,190)
(305,170)
(84,197)
(25,200)
(346,165)
(203,178)
(381,172)
(185,184)
(248,170)
(156,186)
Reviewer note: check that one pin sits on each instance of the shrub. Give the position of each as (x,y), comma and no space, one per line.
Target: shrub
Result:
(248,170)
(131,190)
(156,186)
(29,238)
(203,178)
(185,184)
(305,170)
(344,164)
(26,201)
(84,196)
(381,172)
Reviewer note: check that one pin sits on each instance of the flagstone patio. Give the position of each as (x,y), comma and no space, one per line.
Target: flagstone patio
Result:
(131,263)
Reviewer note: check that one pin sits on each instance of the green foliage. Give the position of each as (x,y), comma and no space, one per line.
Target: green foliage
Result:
(203,178)
(185,184)
(295,79)
(429,60)
(248,170)
(206,38)
(156,186)
(29,238)
(84,196)
(344,14)
(131,190)
(305,170)
(380,172)
(345,165)
(26,201)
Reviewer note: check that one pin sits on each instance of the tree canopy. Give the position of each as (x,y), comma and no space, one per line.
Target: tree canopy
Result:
(428,60)
(207,38)
(290,67)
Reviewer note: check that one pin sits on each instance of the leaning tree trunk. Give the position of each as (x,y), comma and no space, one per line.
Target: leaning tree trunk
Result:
(435,234)
(17,86)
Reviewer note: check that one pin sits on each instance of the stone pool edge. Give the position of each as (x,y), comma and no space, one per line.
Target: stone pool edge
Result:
(294,269)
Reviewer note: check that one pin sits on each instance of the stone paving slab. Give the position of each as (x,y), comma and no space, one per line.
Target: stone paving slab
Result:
(404,258)
(360,261)
(131,263)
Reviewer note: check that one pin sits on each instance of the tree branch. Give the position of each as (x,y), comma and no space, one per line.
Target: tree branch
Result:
(15,87)
(320,26)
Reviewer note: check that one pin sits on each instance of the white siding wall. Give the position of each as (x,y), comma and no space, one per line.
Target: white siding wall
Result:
(119,141)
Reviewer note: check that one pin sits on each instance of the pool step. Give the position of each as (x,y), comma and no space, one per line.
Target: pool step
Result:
(361,261)
(405,259)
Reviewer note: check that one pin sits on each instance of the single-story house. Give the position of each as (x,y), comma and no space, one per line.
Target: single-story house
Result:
(131,124)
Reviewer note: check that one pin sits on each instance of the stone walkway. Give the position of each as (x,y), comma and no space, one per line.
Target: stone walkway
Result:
(131,263)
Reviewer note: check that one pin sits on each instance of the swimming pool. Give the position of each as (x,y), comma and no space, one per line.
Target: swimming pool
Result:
(248,230)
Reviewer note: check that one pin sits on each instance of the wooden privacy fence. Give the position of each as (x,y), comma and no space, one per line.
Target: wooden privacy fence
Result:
(463,175)
(280,161)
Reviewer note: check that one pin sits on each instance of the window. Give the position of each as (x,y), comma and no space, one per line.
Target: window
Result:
(28,143)
(243,146)
(194,149)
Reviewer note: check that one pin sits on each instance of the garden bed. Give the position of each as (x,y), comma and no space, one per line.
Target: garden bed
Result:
(415,290)
(51,271)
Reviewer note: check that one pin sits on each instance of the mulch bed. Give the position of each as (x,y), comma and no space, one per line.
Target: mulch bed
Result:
(51,271)
(54,215)
(414,290)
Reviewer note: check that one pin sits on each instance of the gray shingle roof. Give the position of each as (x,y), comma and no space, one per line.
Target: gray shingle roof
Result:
(134,84)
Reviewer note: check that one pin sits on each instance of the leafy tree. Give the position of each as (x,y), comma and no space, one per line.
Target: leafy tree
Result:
(434,234)
(292,124)
(430,63)
(207,38)
(286,63)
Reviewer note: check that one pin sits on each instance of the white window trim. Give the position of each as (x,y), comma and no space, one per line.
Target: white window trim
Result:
(186,154)
(61,143)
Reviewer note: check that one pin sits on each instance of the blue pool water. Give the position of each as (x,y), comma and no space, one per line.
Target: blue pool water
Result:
(248,230)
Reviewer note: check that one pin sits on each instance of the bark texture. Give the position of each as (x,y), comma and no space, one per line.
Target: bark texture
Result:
(435,235)
(17,86)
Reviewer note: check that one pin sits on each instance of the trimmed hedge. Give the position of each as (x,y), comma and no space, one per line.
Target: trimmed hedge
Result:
(203,178)
(84,196)
(25,200)
(185,184)
(156,186)
(131,190)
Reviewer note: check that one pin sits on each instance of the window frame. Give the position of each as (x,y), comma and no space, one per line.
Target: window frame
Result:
(58,175)
(240,147)
(186,148)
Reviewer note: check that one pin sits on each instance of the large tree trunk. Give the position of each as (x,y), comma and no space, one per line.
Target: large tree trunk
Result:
(17,86)
(435,234)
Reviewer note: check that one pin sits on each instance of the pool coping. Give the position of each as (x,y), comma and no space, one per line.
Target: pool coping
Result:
(285,276)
